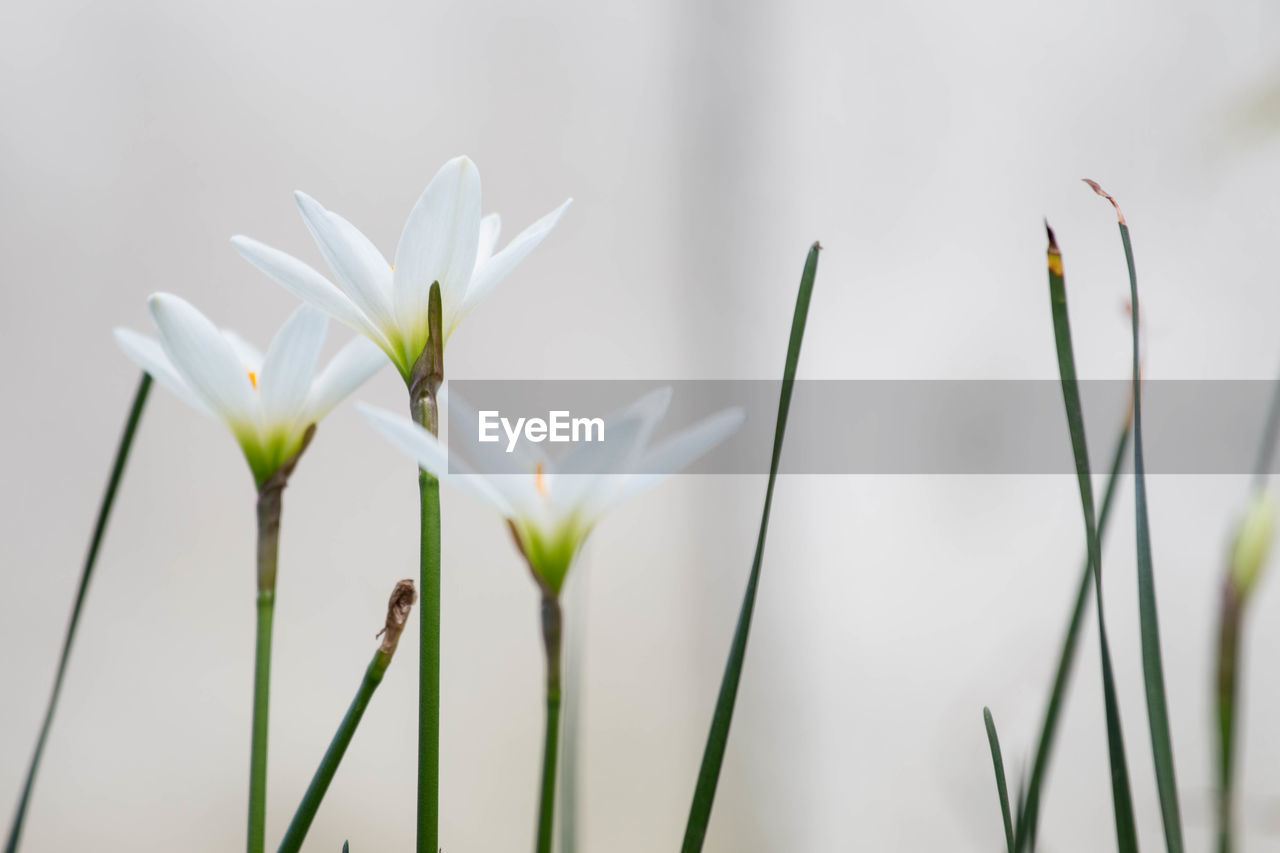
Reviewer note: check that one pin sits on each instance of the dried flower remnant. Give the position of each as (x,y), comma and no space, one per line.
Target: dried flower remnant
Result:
(398,608)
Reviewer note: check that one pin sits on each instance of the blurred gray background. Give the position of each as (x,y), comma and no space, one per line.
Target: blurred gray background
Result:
(706,144)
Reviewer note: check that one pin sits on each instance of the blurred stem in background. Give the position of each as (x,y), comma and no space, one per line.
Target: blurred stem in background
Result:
(270,499)
(398,607)
(1247,558)
(424,385)
(95,542)
(575,599)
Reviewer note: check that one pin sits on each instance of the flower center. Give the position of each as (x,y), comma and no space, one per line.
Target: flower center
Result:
(539,481)
(253,380)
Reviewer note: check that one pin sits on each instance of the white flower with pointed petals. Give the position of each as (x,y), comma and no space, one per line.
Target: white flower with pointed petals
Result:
(444,240)
(552,507)
(268,401)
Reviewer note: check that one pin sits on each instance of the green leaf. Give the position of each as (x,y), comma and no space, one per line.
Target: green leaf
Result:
(1002,789)
(1029,811)
(99,531)
(1126,831)
(1152,665)
(713,756)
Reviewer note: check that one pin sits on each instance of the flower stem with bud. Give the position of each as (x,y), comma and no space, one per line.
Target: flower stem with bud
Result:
(401,602)
(424,382)
(1247,560)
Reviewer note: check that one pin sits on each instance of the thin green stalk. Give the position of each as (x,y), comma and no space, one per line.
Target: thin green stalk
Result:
(270,503)
(86,573)
(1029,811)
(718,737)
(402,598)
(1231,625)
(1149,623)
(1227,692)
(552,630)
(429,666)
(270,496)
(1126,830)
(424,382)
(1002,787)
(261,713)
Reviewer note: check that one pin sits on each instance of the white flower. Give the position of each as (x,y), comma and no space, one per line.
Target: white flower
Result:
(444,239)
(269,401)
(552,507)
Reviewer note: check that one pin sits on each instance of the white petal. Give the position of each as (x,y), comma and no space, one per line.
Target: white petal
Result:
(676,453)
(311,287)
(438,243)
(204,359)
(353,364)
(627,432)
(290,365)
(149,355)
(490,457)
(432,456)
(490,227)
(363,273)
(592,471)
(249,355)
(610,456)
(496,268)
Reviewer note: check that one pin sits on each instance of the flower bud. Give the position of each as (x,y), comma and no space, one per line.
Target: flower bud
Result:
(1253,542)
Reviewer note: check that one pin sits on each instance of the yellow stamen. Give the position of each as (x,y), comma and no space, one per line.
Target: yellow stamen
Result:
(253,379)
(539,481)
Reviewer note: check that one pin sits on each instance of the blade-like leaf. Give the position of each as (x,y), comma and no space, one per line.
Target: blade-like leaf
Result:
(713,755)
(1002,789)
(99,530)
(1152,665)
(1029,812)
(1126,831)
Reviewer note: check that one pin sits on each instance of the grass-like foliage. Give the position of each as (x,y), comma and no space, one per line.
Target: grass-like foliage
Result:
(713,756)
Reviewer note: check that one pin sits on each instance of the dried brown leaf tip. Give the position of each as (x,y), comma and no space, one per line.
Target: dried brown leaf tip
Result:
(1093,185)
(398,607)
(1055,256)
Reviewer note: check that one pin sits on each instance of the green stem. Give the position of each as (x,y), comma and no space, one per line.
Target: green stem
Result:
(1228,660)
(552,626)
(269,506)
(261,704)
(99,530)
(424,382)
(429,667)
(306,813)
(402,598)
